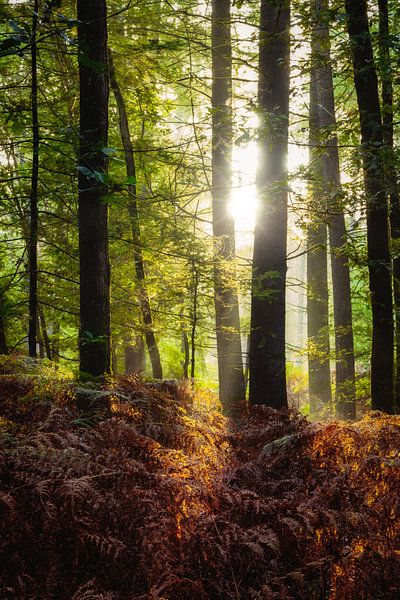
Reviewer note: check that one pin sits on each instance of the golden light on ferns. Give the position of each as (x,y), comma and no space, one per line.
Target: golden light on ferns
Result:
(366,454)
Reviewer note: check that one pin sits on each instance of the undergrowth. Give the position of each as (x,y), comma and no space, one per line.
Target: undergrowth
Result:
(158,498)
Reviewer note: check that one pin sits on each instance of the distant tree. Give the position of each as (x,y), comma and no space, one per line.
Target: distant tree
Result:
(229,350)
(93,220)
(331,184)
(386,77)
(319,374)
(144,299)
(3,338)
(379,258)
(33,203)
(267,337)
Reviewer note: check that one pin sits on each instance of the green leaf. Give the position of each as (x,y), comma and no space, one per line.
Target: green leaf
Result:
(108,151)
(96,175)
(16,27)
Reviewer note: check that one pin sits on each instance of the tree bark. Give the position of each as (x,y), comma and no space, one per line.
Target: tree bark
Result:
(379,259)
(195,291)
(386,76)
(229,350)
(319,375)
(55,339)
(44,333)
(39,339)
(267,336)
(3,338)
(33,201)
(92,211)
(135,356)
(185,347)
(144,299)
(344,341)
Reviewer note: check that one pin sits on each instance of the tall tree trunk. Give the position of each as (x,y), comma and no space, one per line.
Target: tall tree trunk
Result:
(44,333)
(144,299)
(39,339)
(135,356)
(194,317)
(186,354)
(386,76)
(185,347)
(267,336)
(229,349)
(344,341)
(131,359)
(3,338)
(379,259)
(93,215)
(55,339)
(33,203)
(114,359)
(319,375)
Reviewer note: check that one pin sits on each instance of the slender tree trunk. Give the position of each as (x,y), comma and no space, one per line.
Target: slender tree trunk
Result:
(3,339)
(185,347)
(114,360)
(33,203)
(144,299)
(344,342)
(386,75)
(379,259)
(55,338)
(131,359)
(39,339)
(229,350)
(135,359)
(319,375)
(44,333)
(195,290)
(246,364)
(93,214)
(267,341)
(186,355)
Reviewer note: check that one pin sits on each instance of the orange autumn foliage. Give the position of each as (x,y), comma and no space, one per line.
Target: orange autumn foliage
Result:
(157,498)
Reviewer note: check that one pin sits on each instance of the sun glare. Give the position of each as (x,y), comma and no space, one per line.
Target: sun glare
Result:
(244,193)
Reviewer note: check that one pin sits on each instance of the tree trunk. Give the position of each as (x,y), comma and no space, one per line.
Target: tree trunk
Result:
(55,341)
(92,211)
(319,375)
(386,75)
(195,291)
(134,356)
(45,335)
(379,260)
(114,360)
(3,338)
(33,203)
(267,336)
(144,299)
(344,342)
(39,339)
(185,347)
(229,350)
(131,360)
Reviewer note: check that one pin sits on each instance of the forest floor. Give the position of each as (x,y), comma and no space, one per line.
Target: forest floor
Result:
(153,494)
